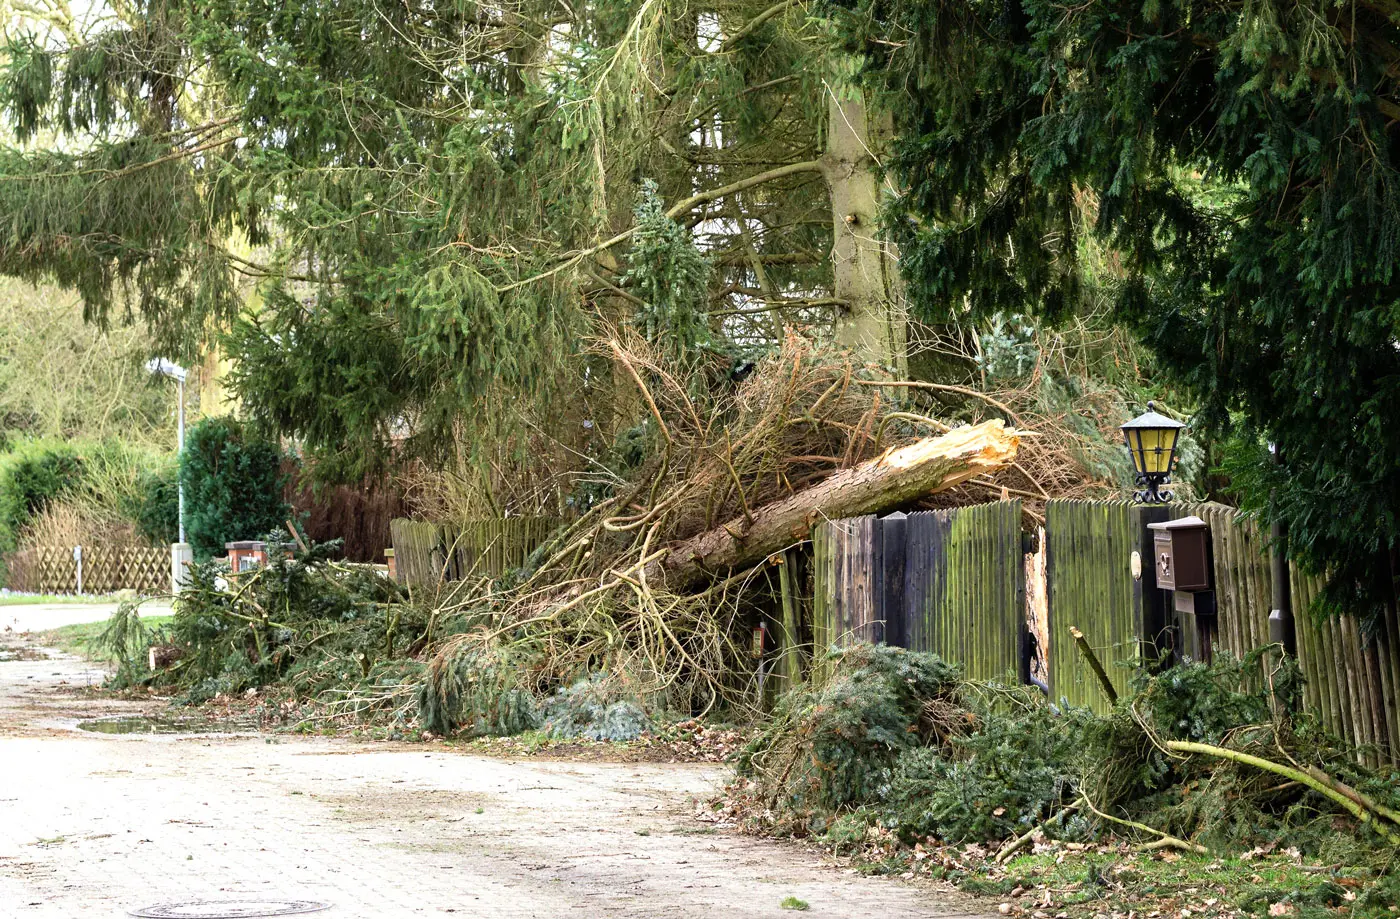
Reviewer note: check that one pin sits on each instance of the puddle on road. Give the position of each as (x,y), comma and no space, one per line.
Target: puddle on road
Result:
(22,653)
(164,724)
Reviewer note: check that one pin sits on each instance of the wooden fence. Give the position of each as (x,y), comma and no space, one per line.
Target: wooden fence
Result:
(428,553)
(105,569)
(1352,678)
(953,582)
(947,581)
(1089,586)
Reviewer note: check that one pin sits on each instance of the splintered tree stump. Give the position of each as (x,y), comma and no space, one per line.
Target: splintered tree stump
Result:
(889,481)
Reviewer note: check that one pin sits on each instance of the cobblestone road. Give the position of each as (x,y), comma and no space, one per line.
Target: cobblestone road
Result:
(94,825)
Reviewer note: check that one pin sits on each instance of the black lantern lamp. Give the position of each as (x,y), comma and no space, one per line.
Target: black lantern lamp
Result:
(1151,440)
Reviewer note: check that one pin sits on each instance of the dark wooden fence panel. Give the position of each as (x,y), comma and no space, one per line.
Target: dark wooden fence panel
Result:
(948,581)
(964,587)
(428,553)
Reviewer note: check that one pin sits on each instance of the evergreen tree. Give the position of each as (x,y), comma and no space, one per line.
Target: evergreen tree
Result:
(432,205)
(1235,163)
(233,486)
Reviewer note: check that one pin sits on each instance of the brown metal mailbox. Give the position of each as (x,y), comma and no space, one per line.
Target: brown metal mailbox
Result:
(1181,554)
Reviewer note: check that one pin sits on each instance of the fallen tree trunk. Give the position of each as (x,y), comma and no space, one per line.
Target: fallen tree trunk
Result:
(889,481)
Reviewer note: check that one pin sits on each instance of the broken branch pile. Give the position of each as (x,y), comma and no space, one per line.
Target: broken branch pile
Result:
(659,583)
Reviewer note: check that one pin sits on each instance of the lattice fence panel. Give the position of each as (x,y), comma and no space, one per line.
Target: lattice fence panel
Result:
(106,569)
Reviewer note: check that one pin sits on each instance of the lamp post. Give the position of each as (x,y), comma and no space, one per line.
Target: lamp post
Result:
(180,554)
(1151,439)
(164,368)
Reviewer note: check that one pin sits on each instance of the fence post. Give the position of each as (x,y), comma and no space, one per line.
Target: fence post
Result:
(1155,629)
(181,557)
(78,557)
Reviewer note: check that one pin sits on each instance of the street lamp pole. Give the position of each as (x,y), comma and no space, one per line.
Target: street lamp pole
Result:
(180,452)
(179,553)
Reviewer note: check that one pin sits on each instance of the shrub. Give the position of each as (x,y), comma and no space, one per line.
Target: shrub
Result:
(836,747)
(996,781)
(156,509)
(31,477)
(233,485)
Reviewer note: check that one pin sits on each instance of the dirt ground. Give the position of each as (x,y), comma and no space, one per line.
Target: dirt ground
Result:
(95,825)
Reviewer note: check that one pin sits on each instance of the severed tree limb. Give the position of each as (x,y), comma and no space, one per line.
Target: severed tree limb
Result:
(1166,840)
(1094,664)
(1364,800)
(891,480)
(1012,847)
(1325,788)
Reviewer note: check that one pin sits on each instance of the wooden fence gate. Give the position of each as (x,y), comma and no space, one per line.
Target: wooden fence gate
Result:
(949,581)
(1089,585)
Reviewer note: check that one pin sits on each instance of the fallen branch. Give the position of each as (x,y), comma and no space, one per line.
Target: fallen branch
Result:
(1325,788)
(1016,844)
(1094,665)
(1166,840)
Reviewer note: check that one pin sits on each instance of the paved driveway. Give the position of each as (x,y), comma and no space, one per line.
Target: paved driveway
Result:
(40,617)
(94,825)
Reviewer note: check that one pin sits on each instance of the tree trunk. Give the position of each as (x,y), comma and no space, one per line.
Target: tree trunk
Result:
(872,324)
(892,479)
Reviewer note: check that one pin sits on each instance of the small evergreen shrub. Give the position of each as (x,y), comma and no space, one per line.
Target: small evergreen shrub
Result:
(233,485)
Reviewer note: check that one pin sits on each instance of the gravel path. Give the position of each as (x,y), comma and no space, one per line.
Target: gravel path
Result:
(94,825)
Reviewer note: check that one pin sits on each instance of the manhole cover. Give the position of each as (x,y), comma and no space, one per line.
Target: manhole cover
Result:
(231,909)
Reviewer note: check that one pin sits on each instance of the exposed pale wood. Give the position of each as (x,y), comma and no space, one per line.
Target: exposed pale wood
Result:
(887,482)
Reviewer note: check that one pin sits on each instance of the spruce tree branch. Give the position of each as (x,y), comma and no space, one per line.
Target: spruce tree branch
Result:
(1324,788)
(675,210)
(128,170)
(753,24)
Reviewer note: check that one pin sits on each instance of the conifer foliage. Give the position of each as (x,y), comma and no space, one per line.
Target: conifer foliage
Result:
(1234,166)
(410,215)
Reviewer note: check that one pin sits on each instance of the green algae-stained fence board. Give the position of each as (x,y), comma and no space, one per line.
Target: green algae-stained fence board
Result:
(427,553)
(1090,586)
(1353,678)
(949,581)
(964,587)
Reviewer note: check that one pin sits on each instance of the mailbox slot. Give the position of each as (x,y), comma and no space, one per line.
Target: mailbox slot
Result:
(1181,554)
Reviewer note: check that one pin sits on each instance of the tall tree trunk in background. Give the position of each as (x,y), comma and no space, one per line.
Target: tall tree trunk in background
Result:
(866,274)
